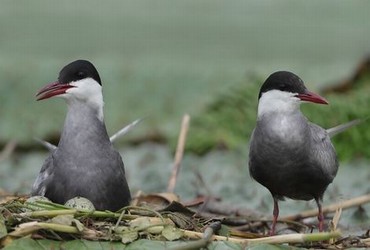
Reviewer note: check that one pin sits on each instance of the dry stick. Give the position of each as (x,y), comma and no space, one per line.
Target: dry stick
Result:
(179,153)
(92,214)
(206,238)
(8,150)
(30,227)
(313,212)
(331,208)
(279,239)
(48,213)
(366,241)
(334,222)
(336,217)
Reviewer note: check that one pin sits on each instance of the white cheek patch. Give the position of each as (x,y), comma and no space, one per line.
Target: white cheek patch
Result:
(85,89)
(88,91)
(277,101)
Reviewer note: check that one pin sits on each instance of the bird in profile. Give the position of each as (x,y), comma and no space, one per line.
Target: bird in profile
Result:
(84,163)
(289,155)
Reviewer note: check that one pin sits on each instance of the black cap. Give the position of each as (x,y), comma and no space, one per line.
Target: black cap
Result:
(78,70)
(284,81)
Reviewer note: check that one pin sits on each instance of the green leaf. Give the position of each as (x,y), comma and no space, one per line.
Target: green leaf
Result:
(27,243)
(151,245)
(224,245)
(91,245)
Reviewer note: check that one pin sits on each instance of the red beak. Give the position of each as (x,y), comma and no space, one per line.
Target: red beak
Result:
(312,97)
(52,89)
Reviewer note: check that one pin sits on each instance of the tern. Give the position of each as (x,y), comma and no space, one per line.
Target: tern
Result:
(288,154)
(84,163)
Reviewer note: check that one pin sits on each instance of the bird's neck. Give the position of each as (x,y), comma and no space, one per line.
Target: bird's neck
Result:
(280,118)
(84,123)
(283,125)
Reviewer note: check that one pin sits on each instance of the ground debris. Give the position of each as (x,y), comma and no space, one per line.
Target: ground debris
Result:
(171,221)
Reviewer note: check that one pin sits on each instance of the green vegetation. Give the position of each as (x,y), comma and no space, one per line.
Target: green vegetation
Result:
(160,60)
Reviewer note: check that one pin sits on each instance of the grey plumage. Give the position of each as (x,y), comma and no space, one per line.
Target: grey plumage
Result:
(85,162)
(298,164)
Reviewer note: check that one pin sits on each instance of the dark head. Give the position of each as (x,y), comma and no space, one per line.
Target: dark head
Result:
(78,70)
(285,81)
(80,74)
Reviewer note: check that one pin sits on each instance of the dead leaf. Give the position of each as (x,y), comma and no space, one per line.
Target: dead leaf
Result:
(156,201)
(63,219)
(129,236)
(172,233)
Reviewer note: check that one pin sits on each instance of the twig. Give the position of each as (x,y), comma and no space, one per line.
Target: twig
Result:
(279,239)
(201,183)
(143,209)
(126,216)
(179,153)
(296,238)
(8,150)
(313,212)
(30,227)
(331,208)
(263,222)
(94,214)
(206,237)
(226,209)
(366,241)
(48,213)
(334,222)
(336,218)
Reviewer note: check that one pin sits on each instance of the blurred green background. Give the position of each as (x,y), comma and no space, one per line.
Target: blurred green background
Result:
(161,59)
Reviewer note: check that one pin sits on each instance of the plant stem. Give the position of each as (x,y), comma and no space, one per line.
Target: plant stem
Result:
(179,153)
(48,213)
(331,208)
(279,239)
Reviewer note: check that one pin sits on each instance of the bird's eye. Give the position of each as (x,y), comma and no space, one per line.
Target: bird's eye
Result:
(282,87)
(81,74)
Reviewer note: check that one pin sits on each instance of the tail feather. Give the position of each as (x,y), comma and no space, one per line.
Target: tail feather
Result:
(124,130)
(46,144)
(342,127)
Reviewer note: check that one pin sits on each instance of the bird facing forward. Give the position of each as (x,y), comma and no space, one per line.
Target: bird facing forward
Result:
(289,155)
(85,162)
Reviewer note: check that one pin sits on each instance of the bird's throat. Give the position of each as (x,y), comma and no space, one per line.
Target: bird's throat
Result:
(83,125)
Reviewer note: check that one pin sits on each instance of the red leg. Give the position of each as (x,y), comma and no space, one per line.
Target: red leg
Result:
(275,217)
(320,215)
